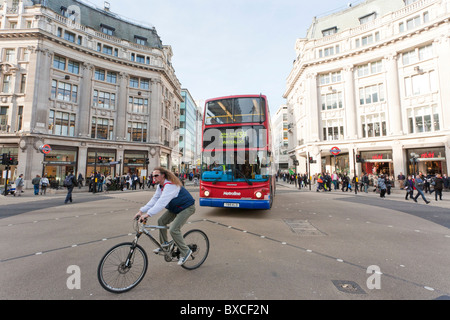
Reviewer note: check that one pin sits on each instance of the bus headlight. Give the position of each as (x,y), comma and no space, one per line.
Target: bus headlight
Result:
(258,194)
(206,193)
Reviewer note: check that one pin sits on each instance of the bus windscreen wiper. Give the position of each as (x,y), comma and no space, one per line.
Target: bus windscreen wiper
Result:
(246,180)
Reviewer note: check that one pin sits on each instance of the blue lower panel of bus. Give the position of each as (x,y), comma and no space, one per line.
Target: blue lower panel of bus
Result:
(229,203)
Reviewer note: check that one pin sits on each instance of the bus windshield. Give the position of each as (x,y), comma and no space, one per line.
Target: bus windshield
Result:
(236,166)
(235,110)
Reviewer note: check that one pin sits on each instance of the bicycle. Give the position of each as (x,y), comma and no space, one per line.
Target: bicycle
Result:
(124,266)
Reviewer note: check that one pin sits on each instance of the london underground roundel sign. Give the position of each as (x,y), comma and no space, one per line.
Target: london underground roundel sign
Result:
(45,149)
(335,151)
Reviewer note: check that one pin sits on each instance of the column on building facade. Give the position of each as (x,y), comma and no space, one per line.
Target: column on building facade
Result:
(85,100)
(350,105)
(82,160)
(154,131)
(121,120)
(313,106)
(443,54)
(393,95)
(398,156)
(42,61)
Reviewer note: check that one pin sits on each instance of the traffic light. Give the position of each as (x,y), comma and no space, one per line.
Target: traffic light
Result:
(358,158)
(147,161)
(100,159)
(311,159)
(5,158)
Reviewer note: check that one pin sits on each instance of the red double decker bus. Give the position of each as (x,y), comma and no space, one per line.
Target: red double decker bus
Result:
(237,170)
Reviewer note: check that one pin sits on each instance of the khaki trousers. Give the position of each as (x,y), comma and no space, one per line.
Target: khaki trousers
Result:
(179,220)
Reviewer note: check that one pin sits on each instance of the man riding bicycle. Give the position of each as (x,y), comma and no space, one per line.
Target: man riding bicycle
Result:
(180,206)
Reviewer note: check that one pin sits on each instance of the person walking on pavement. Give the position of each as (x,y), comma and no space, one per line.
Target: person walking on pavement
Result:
(44,184)
(35,182)
(419,187)
(70,182)
(19,185)
(382,186)
(438,186)
(409,187)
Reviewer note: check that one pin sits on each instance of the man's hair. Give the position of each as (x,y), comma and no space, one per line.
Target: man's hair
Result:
(169,176)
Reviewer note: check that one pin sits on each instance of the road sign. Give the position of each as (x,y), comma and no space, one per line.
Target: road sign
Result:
(335,151)
(45,149)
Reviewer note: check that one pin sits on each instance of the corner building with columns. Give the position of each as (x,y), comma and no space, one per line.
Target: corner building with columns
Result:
(88,83)
(373,81)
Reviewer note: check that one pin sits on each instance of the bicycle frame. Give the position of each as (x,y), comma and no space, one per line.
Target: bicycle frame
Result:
(143,230)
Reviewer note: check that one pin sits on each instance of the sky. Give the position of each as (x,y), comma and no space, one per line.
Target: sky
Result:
(229,47)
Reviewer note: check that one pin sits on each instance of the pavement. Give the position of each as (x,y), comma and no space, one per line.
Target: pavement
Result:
(396,194)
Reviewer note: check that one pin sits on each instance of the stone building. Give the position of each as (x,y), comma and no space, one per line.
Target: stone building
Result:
(97,88)
(372,81)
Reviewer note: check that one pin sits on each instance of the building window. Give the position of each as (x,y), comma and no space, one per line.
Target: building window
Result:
(61,123)
(423,119)
(64,91)
(107,29)
(19,118)
(104,100)
(330,78)
(6,86)
(374,125)
(107,50)
(23,83)
(370,68)
(420,84)
(134,82)
(333,130)
(371,94)
(332,101)
(145,84)
(73,67)
(4,127)
(99,74)
(137,132)
(102,128)
(140,40)
(329,32)
(10,55)
(59,62)
(111,77)
(137,105)
(367,18)
(69,36)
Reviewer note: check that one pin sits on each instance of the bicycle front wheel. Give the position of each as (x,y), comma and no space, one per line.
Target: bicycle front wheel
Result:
(198,242)
(122,267)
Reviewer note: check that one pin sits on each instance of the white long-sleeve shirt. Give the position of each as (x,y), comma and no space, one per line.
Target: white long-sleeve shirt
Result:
(161,198)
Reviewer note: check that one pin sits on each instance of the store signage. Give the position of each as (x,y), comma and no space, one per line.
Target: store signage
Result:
(45,149)
(335,151)
(427,155)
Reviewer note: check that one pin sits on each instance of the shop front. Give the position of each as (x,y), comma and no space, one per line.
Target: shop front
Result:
(59,163)
(377,162)
(13,151)
(429,161)
(135,162)
(102,161)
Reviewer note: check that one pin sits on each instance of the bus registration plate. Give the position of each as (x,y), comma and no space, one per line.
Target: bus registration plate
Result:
(233,205)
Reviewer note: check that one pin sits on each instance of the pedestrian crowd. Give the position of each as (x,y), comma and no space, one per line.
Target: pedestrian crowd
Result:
(381,184)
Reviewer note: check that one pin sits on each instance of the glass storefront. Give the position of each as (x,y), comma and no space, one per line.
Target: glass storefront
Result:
(104,166)
(377,162)
(134,162)
(12,172)
(58,163)
(430,161)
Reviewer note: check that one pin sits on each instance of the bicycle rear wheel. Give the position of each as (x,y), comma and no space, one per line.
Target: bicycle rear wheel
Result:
(122,267)
(198,242)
